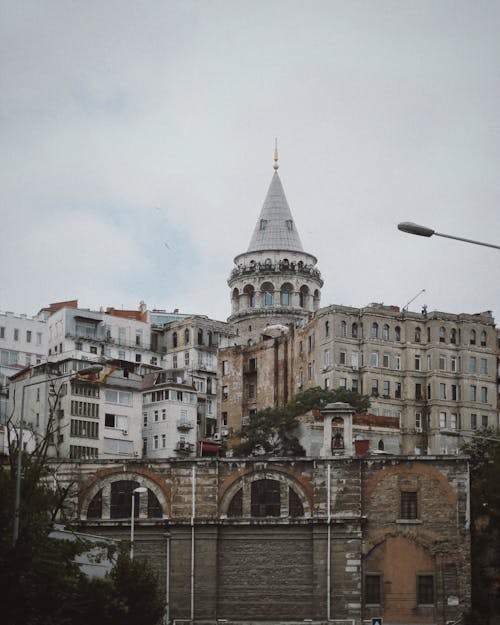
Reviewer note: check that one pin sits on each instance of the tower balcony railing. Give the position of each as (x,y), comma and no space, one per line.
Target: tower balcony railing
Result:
(282,267)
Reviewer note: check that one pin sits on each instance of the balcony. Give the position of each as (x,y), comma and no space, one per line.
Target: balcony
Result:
(183,447)
(184,424)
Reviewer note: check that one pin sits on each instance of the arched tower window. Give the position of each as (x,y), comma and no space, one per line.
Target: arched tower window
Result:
(303,296)
(186,337)
(249,291)
(483,339)
(354,330)
(442,335)
(174,339)
(343,328)
(267,293)
(235,300)
(472,340)
(285,294)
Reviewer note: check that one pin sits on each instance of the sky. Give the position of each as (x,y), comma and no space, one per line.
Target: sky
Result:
(137,139)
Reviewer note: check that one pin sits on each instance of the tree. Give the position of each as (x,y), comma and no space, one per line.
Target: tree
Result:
(40,580)
(271,431)
(484,452)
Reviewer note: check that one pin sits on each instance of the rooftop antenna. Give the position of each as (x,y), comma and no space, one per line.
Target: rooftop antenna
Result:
(405,308)
(275,166)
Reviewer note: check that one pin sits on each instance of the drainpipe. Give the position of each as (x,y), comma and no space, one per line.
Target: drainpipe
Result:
(329,542)
(167,593)
(193,509)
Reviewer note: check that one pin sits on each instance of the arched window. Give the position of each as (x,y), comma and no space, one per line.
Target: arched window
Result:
(174,339)
(472,337)
(453,336)
(397,333)
(327,328)
(285,294)
(267,293)
(381,445)
(483,339)
(249,291)
(303,296)
(267,498)
(209,338)
(442,335)
(186,337)
(200,337)
(354,330)
(120,502)
(268,263)
(385,332)
(374,330)
(418,335)
(343,328)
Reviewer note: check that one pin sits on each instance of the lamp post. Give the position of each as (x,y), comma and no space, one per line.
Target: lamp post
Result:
(423,231)
(139,489)
(17,503)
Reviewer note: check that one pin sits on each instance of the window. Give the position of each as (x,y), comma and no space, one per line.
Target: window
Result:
(454,364)
(484,394)
(326,358)
(374,359)
(484,366)
(385,332)
(442,391)
(38,338)
(285,298)
(372,589)
(409,505)
(28,336)
(483,339)
(425,589)
(387,389)
(442,335)
(472,364)
(155,441)
(225,393)
(163,440)
(186,336)
(200,337)
(374,386)
(145,419)
(93,349)
(84,429)
(397,390)
(454,392)
(251,391)
(484,421)
(473,421)
(265,498)
(118,422)
(343,329)
(472,392)
(418,361)
(225,367)
(138,337)
(156,415)
(397,333)
(118,397)
(354,331)
(163,414)
(342,357)
(327,328)
(16,334)
(186,359)
(418,421)
(268,298)
(174,361)
(453,421)
(374,330)
(418,392)
(2,332)
(343,383)
(472,337)
(418,335)
(397,362)
(442,420)
(386,360)
(442,362)
(453,336)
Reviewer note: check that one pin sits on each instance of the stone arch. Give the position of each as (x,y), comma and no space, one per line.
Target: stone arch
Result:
(244,484)
(104,485)
(304,296)
(249,292)
(286,294)
(235,300)
(267,293)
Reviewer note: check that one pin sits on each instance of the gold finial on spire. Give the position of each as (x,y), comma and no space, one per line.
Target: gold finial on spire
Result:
(275,166)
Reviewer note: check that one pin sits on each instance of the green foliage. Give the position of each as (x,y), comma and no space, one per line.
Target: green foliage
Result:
(39,579)
(484,452)
(271,432)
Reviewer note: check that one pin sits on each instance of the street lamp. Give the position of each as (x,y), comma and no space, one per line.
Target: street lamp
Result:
(139,489)
(423,231)
(17,504)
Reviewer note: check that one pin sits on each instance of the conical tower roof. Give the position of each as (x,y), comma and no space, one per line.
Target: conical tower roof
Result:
(275,228)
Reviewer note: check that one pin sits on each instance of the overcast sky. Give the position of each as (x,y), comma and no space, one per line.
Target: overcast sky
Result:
(137,141)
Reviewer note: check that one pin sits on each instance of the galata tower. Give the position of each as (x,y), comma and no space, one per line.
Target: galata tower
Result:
(274,283)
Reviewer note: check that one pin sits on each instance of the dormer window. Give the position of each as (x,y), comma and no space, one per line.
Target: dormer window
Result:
(263,224)
(289,224)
